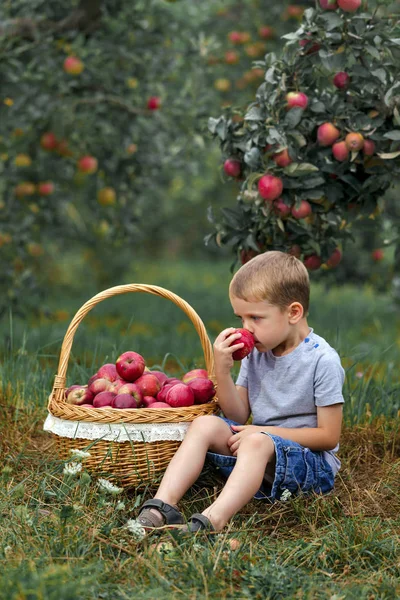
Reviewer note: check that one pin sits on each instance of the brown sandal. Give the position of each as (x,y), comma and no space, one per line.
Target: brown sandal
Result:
(170,515)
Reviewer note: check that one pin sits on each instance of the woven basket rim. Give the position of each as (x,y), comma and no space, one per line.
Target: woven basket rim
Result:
(57,405)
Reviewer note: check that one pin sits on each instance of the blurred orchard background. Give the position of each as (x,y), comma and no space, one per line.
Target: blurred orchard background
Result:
(168,142)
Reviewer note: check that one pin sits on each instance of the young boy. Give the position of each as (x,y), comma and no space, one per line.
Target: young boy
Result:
(291,384)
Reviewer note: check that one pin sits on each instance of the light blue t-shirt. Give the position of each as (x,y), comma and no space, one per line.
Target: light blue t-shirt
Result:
(284,391)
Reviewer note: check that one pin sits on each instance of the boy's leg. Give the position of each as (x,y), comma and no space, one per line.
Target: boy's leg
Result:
(254,453)
(205,433)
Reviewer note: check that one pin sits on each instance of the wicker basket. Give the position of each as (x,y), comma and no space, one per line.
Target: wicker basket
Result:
(127,462)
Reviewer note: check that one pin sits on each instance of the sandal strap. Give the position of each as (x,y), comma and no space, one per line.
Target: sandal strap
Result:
(198,521)
(171,514)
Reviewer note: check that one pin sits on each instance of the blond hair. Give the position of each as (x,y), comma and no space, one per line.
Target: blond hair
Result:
(275,277)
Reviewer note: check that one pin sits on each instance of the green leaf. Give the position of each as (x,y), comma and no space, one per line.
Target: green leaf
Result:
(393,135)
(252,158)
(318,107)
(313,182)
(389,155)
(332,21)
(300,169)
(254,114)
(380,74)
(293,117)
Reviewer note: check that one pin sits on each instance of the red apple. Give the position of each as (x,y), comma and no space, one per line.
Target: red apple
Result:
(327,134)
(73,65)
(162,377)
(45,188)
(248,341)
(162,394)
(378,255)
(340,151)
(354,141)
(124,401)
(148,384)
(79,395)
(328,4)
(341,80)
(303,211)
(368,148)
(103,399)
(235,37)
(130,365)
(282,159)
(133,390)
(154,103)
(265,32)
(72,387)
(148,401)
(232,167)
(159,405)
(296,99)
(231,57)
(270,187)
(180,395)
(349,5)
(87,164)
(108,371)
(194,374)
(116,385)
(100,385)
(312,262)
(48,141)
(334,258)
(203,389)
(93,378)
(281,209)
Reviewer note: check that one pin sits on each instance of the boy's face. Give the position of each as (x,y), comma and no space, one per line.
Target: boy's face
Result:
(269,325)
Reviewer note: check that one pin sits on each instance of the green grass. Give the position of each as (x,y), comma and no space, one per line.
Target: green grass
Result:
(61,537)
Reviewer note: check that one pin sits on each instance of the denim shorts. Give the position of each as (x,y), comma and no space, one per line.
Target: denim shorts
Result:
(297,470)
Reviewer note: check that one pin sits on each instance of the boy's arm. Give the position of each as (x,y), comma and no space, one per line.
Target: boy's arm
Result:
(232,399)
(323,437)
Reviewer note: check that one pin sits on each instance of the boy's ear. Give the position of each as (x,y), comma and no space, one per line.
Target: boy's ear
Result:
(296,312)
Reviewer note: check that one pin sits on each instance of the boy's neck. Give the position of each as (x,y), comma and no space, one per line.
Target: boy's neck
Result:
(298,334)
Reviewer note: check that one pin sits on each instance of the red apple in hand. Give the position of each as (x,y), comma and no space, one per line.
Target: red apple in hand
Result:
(180,395)
(130,366)
(194,374)
(246,339)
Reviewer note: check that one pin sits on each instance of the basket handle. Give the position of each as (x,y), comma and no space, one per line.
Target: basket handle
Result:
(60,378)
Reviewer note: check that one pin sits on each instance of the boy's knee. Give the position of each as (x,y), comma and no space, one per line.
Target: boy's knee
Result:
(205,424)
(258,442)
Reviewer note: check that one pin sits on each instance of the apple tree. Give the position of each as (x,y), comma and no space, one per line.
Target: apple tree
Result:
(320,144)
(103,106)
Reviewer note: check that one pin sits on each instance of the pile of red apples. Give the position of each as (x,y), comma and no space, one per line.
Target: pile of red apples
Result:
(129,384)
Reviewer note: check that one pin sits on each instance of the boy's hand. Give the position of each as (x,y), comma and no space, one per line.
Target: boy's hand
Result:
(223,350)
(242,432)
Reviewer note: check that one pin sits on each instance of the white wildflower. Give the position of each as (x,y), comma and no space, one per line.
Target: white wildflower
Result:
(72,468)
(8,551)
(286,495)
(107,486)
(120,506)
(79,453)
(136,529)
(359,374)
(197,547)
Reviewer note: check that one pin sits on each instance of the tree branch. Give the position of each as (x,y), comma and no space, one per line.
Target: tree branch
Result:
(113,100)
